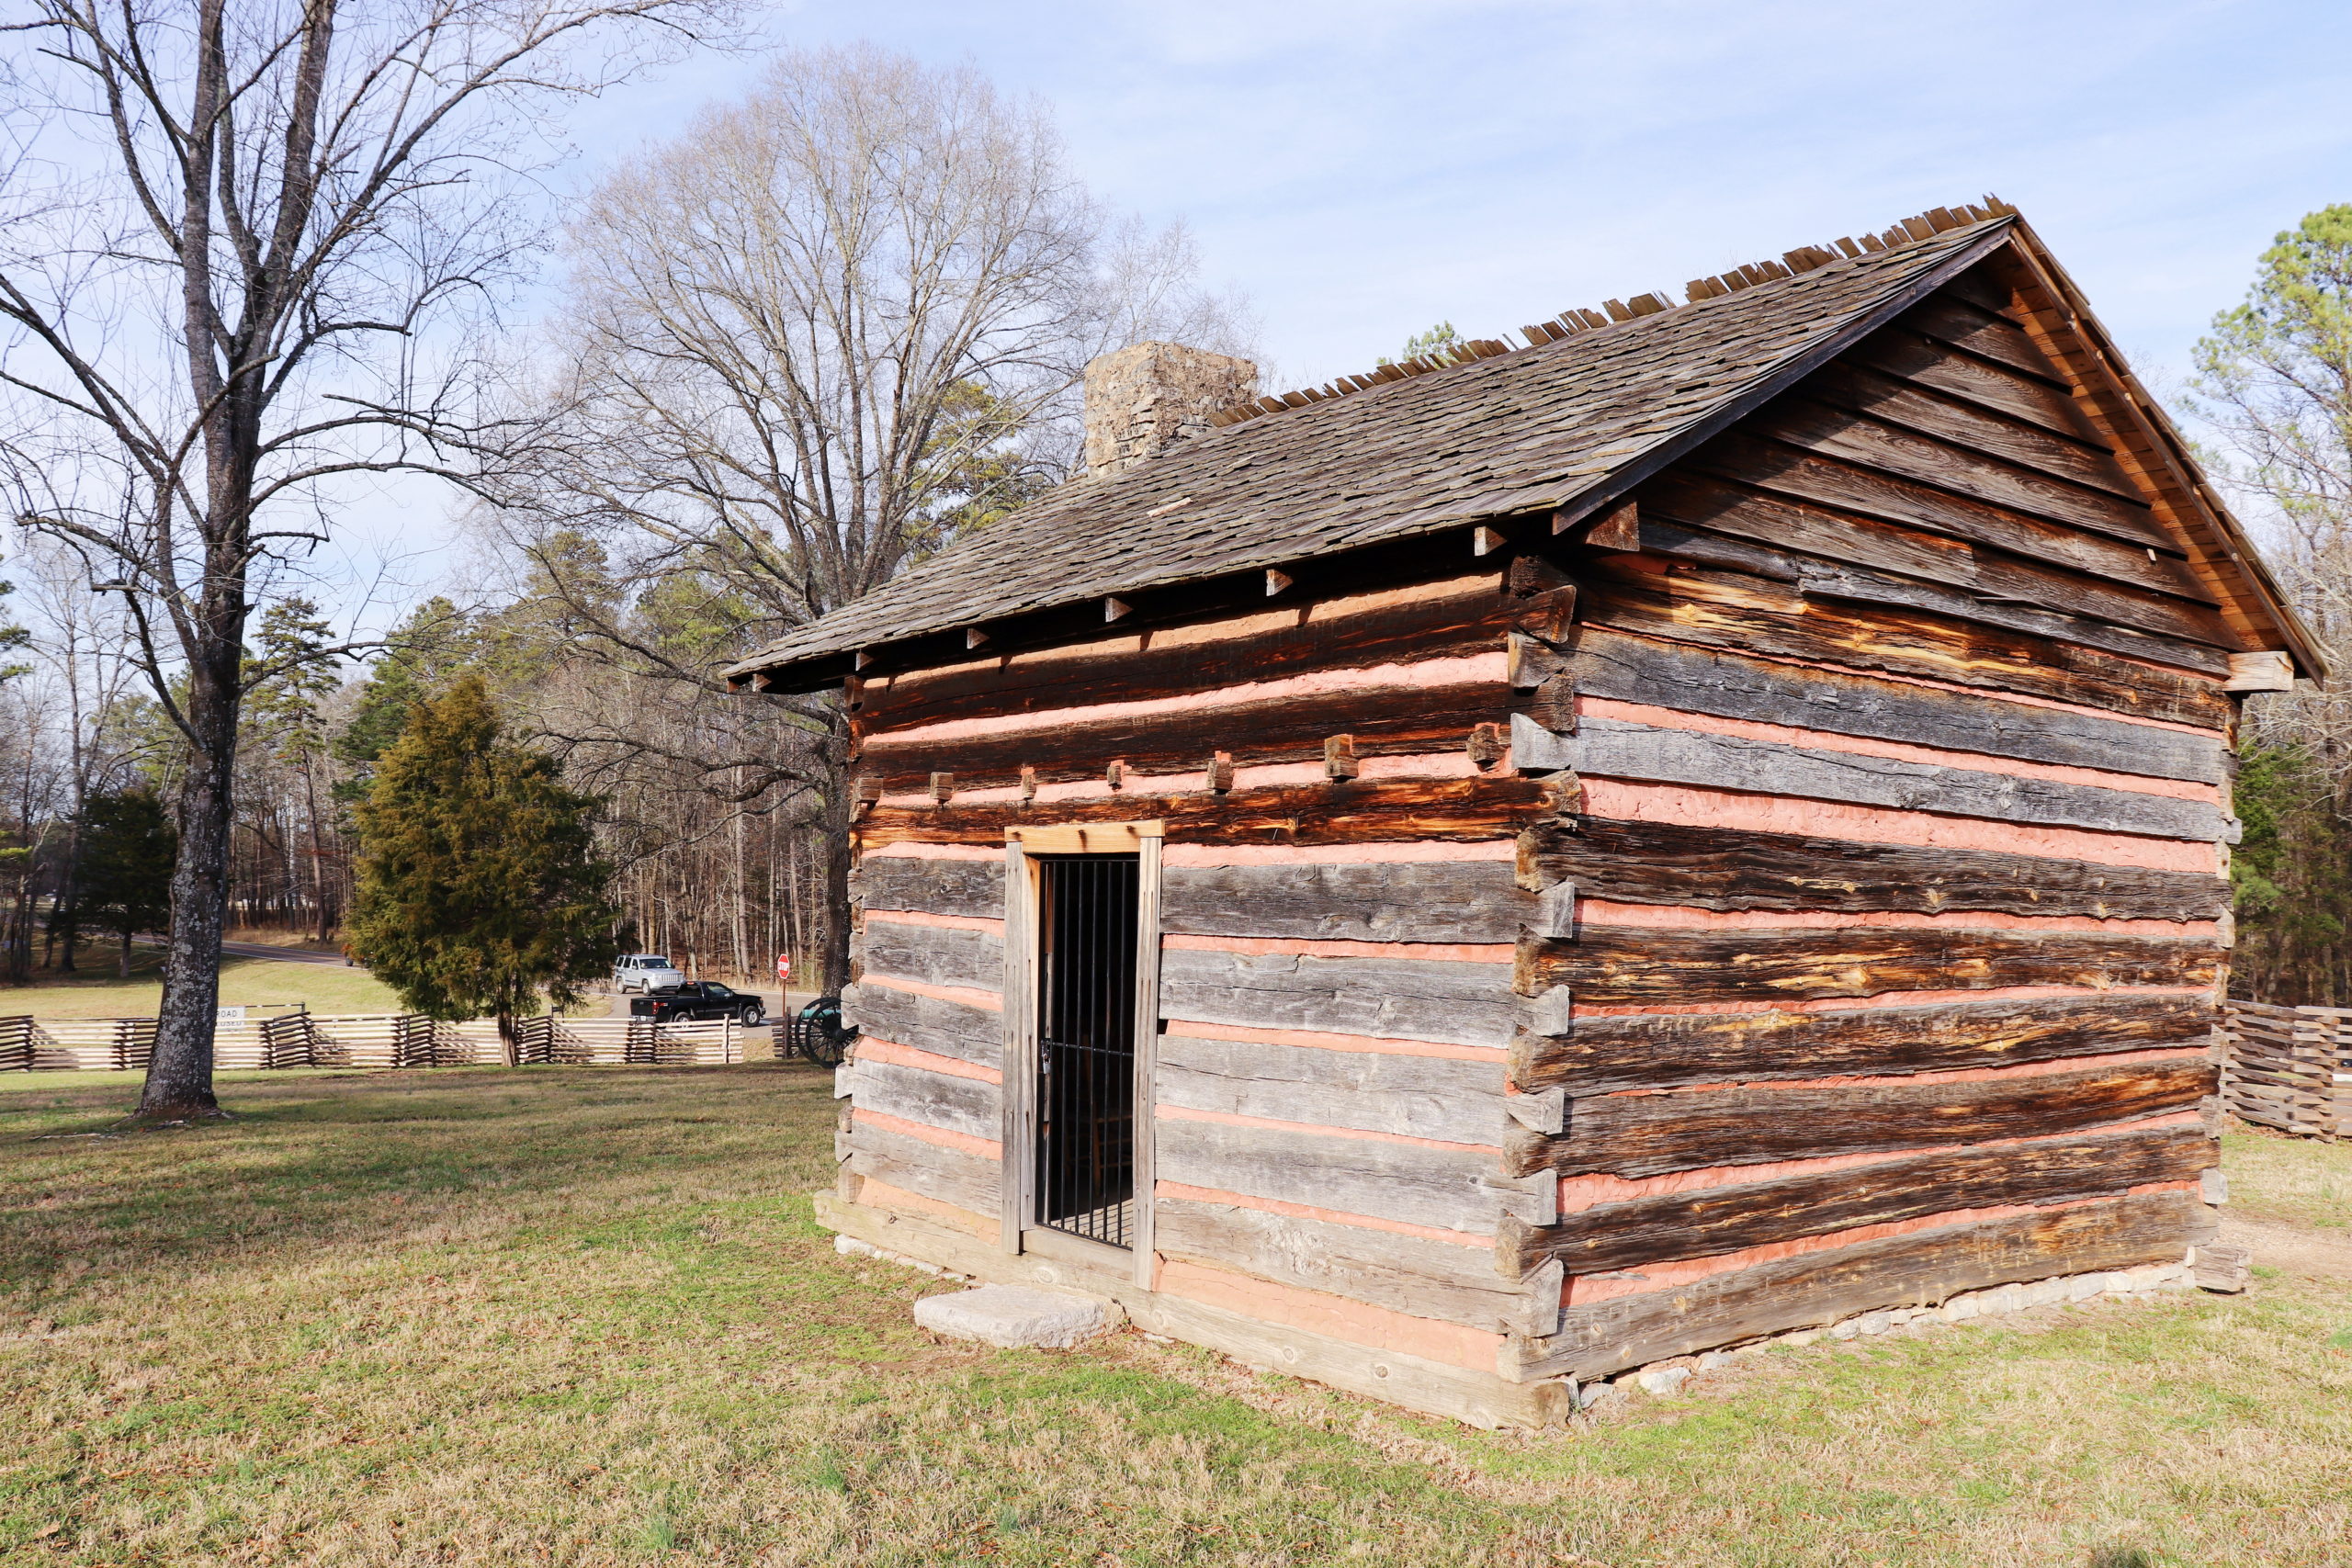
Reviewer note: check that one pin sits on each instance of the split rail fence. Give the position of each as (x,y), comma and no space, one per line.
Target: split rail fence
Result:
(386,1039)
(2288,1067)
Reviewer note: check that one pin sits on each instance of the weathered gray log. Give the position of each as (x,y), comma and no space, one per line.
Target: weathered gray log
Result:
(1457,1190)
(1475,901)
(1644,1134)
(1606,1055)
(1466,1004)
(1420,1097)
(932,886)
(1694,680)
(1613,748)
(931,1171)
(1732,868)
(939,955)
(932,1100)
(1815,1288)
(1715,1221)
(928,1024)
(1410,1274)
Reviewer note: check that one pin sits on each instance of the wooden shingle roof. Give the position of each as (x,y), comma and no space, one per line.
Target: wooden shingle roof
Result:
(1566,425)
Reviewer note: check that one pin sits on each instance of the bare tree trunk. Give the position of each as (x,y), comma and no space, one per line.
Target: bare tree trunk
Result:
(179,1075)
(839,809)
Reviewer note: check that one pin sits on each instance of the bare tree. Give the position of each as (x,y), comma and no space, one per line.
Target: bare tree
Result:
(812,339)
(243,254)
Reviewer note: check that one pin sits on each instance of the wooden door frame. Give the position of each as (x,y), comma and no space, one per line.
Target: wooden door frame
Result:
(1015,1169)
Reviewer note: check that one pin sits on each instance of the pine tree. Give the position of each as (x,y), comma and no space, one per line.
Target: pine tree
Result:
(479,885)
(123,883)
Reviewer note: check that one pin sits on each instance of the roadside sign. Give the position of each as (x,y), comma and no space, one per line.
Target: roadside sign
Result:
(232,1015)
(783,967)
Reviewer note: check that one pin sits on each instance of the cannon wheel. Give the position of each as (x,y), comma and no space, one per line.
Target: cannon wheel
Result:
(819,1034)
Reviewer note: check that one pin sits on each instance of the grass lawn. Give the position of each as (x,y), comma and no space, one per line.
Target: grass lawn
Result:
(583,1316)
(98,991)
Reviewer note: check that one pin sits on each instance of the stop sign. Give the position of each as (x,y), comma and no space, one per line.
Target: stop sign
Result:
(783,966)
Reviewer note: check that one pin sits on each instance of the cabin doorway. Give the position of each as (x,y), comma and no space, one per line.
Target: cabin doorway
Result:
(1088,907)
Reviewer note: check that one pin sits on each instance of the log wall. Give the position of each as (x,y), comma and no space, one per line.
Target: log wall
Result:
(1804,891)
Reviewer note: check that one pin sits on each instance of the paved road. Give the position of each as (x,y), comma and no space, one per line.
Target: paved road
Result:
(281,955)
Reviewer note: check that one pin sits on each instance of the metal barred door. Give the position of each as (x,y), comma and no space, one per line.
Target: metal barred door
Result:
(1086,1045)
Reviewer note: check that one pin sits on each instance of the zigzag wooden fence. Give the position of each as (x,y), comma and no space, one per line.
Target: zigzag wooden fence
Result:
(2288,1067)
(383,1040)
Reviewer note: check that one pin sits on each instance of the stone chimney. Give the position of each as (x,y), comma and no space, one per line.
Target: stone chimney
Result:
(1144,400)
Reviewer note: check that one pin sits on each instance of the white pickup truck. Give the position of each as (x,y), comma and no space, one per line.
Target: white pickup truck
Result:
(646,971)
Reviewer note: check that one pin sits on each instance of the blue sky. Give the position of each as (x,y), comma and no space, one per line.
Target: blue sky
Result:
(1363,169)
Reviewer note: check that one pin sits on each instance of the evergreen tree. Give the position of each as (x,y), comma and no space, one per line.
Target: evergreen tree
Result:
(124,881)
(426,651)
(479,885)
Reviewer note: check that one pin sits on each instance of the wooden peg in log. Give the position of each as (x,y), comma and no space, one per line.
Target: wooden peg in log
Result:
(866,790)
(1115,775)
(1028,783)
(1339,757)
(943,787)
(1487,745)
(1220,773)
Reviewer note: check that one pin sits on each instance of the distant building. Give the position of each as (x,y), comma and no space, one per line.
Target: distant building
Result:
(1487,874)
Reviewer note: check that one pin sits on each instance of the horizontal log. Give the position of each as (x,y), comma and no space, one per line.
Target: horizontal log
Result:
(1712,1222)
(1976,434)
(928,1024)
(1899,507)
(933,1170)
(1818,577)
(937,955)
(1702,501)
(1658,1051)
(1384,721)
(1348,812)
(1617,749)
(1693,679)
(1730,868)
(1416,1097)
(1443,901)
(1455,1189)
(932,886)
(1652,1135)
(1739,610)
(1658,966)
(1469,618)
(1918,1269)
(1403,1273)
(1405,998)
(931,1099)
(1913,452)
(1912,355)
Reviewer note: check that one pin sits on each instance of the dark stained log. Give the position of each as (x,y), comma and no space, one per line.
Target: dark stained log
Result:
(1908,352)
(1711,1222)
(1652,1135)
(1656,966)
(1659,1051)
(1983,287)
(1798,475)
(937,955)
(1894,449)
(1359,811)
(1440,901)
(932,886)
(1974,430)
(1727,868)
(1741,611)
(1675,675)
(1983,332)
(928,1024)
(1615,749)
(1410,1274)
(1818,578)
(1701,501)
(1918,1269)
(1292,640)
(1383,722)
(1409,998)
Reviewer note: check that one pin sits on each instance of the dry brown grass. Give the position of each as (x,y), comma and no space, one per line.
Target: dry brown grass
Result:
(582,1316)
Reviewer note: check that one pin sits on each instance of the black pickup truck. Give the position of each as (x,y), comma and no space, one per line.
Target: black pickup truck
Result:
(698,999)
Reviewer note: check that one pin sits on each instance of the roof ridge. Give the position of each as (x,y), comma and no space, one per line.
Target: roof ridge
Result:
(1577,320)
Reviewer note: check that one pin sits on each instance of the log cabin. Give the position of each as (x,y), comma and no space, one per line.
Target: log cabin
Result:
(1499,871)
